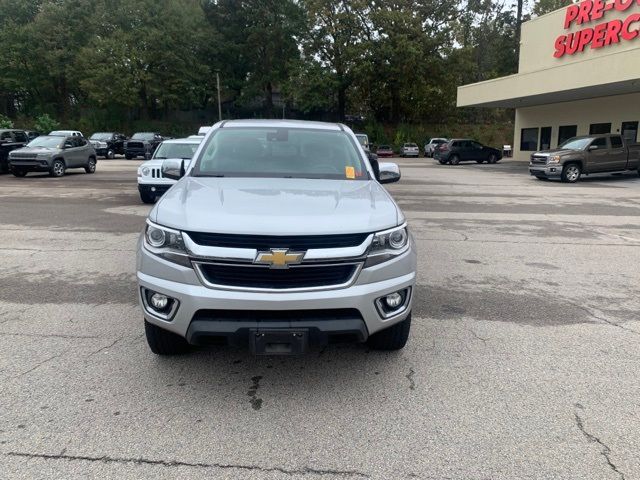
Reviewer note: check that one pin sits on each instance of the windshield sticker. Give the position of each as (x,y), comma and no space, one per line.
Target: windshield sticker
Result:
(350,172)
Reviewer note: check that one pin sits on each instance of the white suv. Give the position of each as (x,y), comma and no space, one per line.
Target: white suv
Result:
(151,183)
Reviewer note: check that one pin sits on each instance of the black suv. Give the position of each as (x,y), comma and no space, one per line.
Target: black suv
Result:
(10,139)
(142,144)
(462,149)
(108,144)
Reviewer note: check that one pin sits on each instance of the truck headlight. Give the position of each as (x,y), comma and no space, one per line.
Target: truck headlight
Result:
(388,244)
(42,156)
(166,243)
(145,171)
(554,159)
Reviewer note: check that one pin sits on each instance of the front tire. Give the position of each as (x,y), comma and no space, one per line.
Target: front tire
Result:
(571,173)
(492,158)
(57,168)
(110,154)
(392,338)
(128,157)
(91,166)
(163,342)
(455,160)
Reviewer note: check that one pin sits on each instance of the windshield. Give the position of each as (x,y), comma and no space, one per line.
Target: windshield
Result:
(439,141)
(46,141)
(143,136)
(176,150)
(101,136)
(576,143)
(281,153)
(363,139)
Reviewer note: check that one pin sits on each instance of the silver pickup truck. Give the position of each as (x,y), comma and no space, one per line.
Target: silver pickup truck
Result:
(278,236)
(586,155)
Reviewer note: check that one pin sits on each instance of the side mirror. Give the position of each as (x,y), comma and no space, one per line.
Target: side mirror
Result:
(173,168)
(593,147)
(389,173)
(373,160)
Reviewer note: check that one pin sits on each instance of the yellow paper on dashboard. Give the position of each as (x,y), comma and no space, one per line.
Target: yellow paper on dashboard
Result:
(350,172)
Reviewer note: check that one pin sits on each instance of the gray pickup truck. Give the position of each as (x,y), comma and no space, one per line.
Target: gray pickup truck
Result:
(586,155)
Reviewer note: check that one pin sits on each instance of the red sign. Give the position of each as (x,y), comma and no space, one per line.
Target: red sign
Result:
(601,35)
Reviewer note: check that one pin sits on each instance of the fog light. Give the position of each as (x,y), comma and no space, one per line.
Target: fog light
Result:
(159,301)
(394,303)
(393,300)
(153,189)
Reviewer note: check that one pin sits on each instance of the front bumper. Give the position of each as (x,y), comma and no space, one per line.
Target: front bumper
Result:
(30,165)
(547,171)
(191,318)
(156,189)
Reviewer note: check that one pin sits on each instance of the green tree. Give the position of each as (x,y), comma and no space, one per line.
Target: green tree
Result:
(258,45)
(542,7)
(45,123)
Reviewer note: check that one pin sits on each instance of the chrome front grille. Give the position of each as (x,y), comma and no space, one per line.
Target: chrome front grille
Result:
(538,160)
(156,173)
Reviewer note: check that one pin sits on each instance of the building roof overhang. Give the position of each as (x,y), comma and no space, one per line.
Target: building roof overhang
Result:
(614,74)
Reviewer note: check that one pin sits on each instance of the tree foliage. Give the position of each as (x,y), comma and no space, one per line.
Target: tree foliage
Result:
(110,63)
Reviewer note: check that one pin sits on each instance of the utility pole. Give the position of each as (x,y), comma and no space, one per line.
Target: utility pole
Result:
(218,87)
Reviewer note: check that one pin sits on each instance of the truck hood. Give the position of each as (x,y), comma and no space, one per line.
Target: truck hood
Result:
(555,151)
(276,206)
(35,150)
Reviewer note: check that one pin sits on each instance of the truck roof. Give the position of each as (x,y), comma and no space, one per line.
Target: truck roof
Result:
(283,124)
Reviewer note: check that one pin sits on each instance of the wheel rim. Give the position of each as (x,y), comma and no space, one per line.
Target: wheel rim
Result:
(58,168)
(572,173)
(92,165)
(492,159)
(110,154)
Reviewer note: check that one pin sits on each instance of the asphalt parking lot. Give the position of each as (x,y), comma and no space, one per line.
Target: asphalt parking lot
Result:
(523,361)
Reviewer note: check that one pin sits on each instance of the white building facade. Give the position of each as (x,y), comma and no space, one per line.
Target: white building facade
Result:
(579,74)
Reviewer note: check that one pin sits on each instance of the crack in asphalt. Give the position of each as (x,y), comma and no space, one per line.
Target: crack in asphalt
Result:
(106,347)
(478,337)
(605,450)
(412,382)
(39,364)
(46,335)
(256,403)
(602,319)
(177,463)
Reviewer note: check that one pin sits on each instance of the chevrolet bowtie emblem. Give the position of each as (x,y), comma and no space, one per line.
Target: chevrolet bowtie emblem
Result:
(279,258)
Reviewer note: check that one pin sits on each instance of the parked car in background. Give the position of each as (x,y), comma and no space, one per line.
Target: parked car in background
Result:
(384,151)
(142,144)
(67,133)
(151,183)
(586,155)
(108,144)
(363,138)
(31,134)
(464,149)
(431,145)
(10,139)
(409,150)
(53,154)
